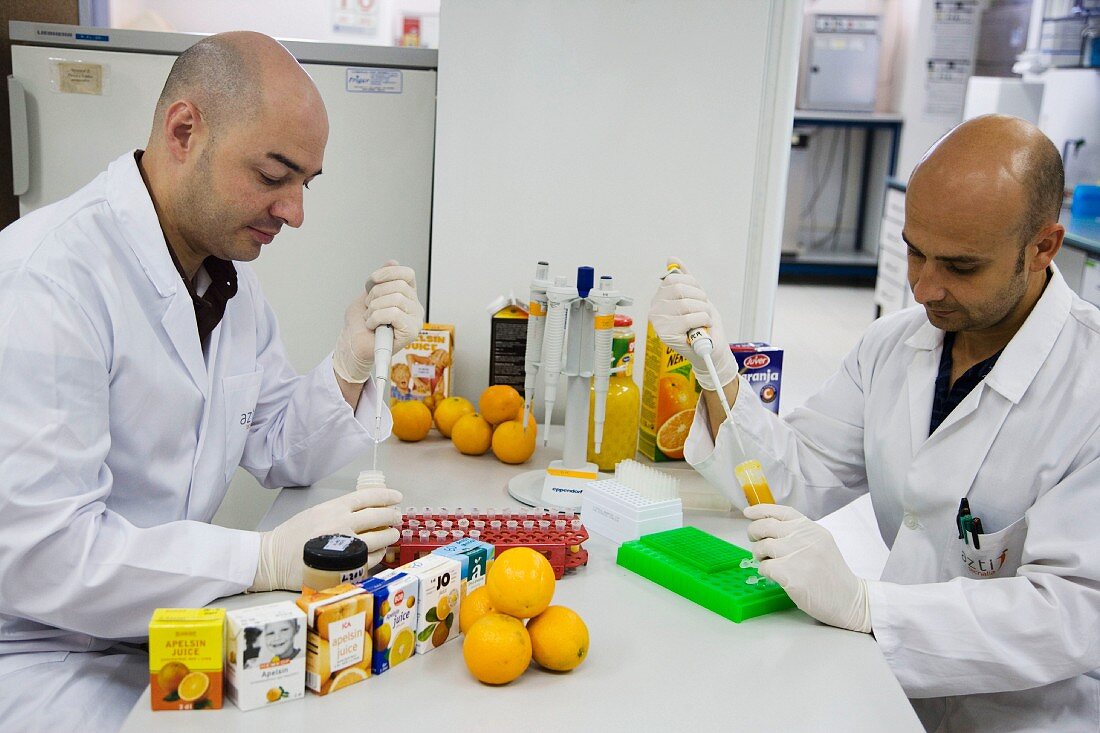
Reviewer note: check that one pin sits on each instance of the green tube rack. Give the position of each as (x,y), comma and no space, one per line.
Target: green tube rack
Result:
(704,569)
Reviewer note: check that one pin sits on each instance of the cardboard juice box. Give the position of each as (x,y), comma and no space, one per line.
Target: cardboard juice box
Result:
(474,557)
(508,343)
(762,366)
(669,395)
(339,622)
(423,370)
(265,654)
(185,658)
(394,595)
(438,599)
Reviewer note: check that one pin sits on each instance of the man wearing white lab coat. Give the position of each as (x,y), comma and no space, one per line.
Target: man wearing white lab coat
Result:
(140,365)
(988,628)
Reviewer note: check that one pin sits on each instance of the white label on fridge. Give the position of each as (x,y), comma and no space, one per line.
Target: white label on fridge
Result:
(374,81)
(75,77)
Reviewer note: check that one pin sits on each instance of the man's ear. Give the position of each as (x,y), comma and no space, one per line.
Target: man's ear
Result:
(183,127)
(1047,244)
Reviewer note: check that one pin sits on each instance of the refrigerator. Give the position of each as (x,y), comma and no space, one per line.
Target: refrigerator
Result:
(80,97)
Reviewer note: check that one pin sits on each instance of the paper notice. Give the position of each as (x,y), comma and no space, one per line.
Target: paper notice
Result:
(80,78)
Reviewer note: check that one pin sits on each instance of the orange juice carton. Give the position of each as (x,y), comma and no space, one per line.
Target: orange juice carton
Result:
(423,370)
(339,621)
(438,599)
(474,557)
(265,654)
(669,395)
(762,367)
(185,658)
(394,593)
(508,342)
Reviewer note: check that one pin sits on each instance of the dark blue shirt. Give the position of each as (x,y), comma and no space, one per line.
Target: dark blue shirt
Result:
(948,395)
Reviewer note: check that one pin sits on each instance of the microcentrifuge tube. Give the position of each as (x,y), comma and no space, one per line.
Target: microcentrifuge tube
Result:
(752,580)
(479,524)
(528,524)
(575,525)
(750,475)
(406,535)
(475,533)
(414,524)
(544,525)
(424,535)
(512,524)
(446,524)
(441,534)
(495,524)
(457,534)
(559,524)
(463,523)
(429,524)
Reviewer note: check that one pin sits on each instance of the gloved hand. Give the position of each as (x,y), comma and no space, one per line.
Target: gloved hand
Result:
(389,298)
(801,556)
(681,305)
(367,514)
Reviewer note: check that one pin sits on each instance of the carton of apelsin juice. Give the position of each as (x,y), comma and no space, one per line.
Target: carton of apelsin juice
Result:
(339,622)
(185,658)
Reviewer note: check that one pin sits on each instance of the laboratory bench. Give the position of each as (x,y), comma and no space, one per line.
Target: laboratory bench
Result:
(657,661)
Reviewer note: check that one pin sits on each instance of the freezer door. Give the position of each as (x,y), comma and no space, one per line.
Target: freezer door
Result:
(372,203)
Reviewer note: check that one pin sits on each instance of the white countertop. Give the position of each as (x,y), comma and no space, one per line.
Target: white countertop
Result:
(657,661)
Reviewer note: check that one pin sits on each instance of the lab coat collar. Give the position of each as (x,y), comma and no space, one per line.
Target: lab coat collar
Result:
(1029,348)
(130,201)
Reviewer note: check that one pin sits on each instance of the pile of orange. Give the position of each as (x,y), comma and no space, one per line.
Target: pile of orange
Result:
(496,423)
(499,646)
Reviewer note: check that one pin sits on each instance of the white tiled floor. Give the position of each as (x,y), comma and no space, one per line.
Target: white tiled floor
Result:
(817,325)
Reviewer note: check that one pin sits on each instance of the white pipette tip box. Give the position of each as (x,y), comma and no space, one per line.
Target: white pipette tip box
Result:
(638,501)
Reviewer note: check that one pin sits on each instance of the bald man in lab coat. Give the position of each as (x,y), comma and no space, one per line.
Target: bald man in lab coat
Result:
(141,365)
(984,392)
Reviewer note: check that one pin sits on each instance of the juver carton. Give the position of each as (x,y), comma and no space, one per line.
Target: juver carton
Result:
(395,609)
(265,655)
(338,638)
(185,658)
(762,367)
(438,599)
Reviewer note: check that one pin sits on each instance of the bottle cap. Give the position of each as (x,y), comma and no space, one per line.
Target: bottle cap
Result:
(622,320)
(335,552)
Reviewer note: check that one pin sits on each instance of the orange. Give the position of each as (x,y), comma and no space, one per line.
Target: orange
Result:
(674,394)
(448,411)
(472,435)
(499,403)
(520,583)
(513,444)
(403,647)
(673,434)
(559,638)
(170,676)
(474,606)
(193,686)
(411,420)
(497,649)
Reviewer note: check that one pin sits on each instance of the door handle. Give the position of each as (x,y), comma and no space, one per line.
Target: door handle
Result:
(20,139)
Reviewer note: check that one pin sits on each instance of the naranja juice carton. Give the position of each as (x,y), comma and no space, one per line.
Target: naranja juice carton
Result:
(423,370)
(438,599)
(339,622)
(474,556)
(265,655)
(394,595)
(185,658)
(669,396)
(762,367)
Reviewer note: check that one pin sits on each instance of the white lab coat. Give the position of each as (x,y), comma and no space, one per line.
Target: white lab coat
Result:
(1002,639)
(120,436)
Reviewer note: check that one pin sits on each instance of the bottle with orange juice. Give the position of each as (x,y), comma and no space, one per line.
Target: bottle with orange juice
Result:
(620,434)
(669,396)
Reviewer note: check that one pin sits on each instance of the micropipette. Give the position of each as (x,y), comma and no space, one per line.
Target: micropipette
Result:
(702,344)
(536,322)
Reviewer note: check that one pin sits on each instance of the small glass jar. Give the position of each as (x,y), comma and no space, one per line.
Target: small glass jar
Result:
(333,559)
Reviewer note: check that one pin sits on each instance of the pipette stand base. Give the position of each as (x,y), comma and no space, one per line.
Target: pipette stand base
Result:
(550,489)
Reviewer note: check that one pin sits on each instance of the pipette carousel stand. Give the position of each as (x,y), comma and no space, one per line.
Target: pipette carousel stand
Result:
(578,322)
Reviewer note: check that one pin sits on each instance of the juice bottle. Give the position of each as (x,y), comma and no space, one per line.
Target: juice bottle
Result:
(620,429)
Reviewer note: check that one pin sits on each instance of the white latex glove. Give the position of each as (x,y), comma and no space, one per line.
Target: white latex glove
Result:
(681,305)
(389,298)
(802,556)
(368,514)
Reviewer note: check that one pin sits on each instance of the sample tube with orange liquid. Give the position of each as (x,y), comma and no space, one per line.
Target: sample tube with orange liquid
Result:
(750,475)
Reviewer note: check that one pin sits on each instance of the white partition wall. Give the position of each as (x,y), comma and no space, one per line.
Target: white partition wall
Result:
(610,134)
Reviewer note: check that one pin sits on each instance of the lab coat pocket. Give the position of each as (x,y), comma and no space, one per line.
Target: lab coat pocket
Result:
(240,393)
(998,557)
